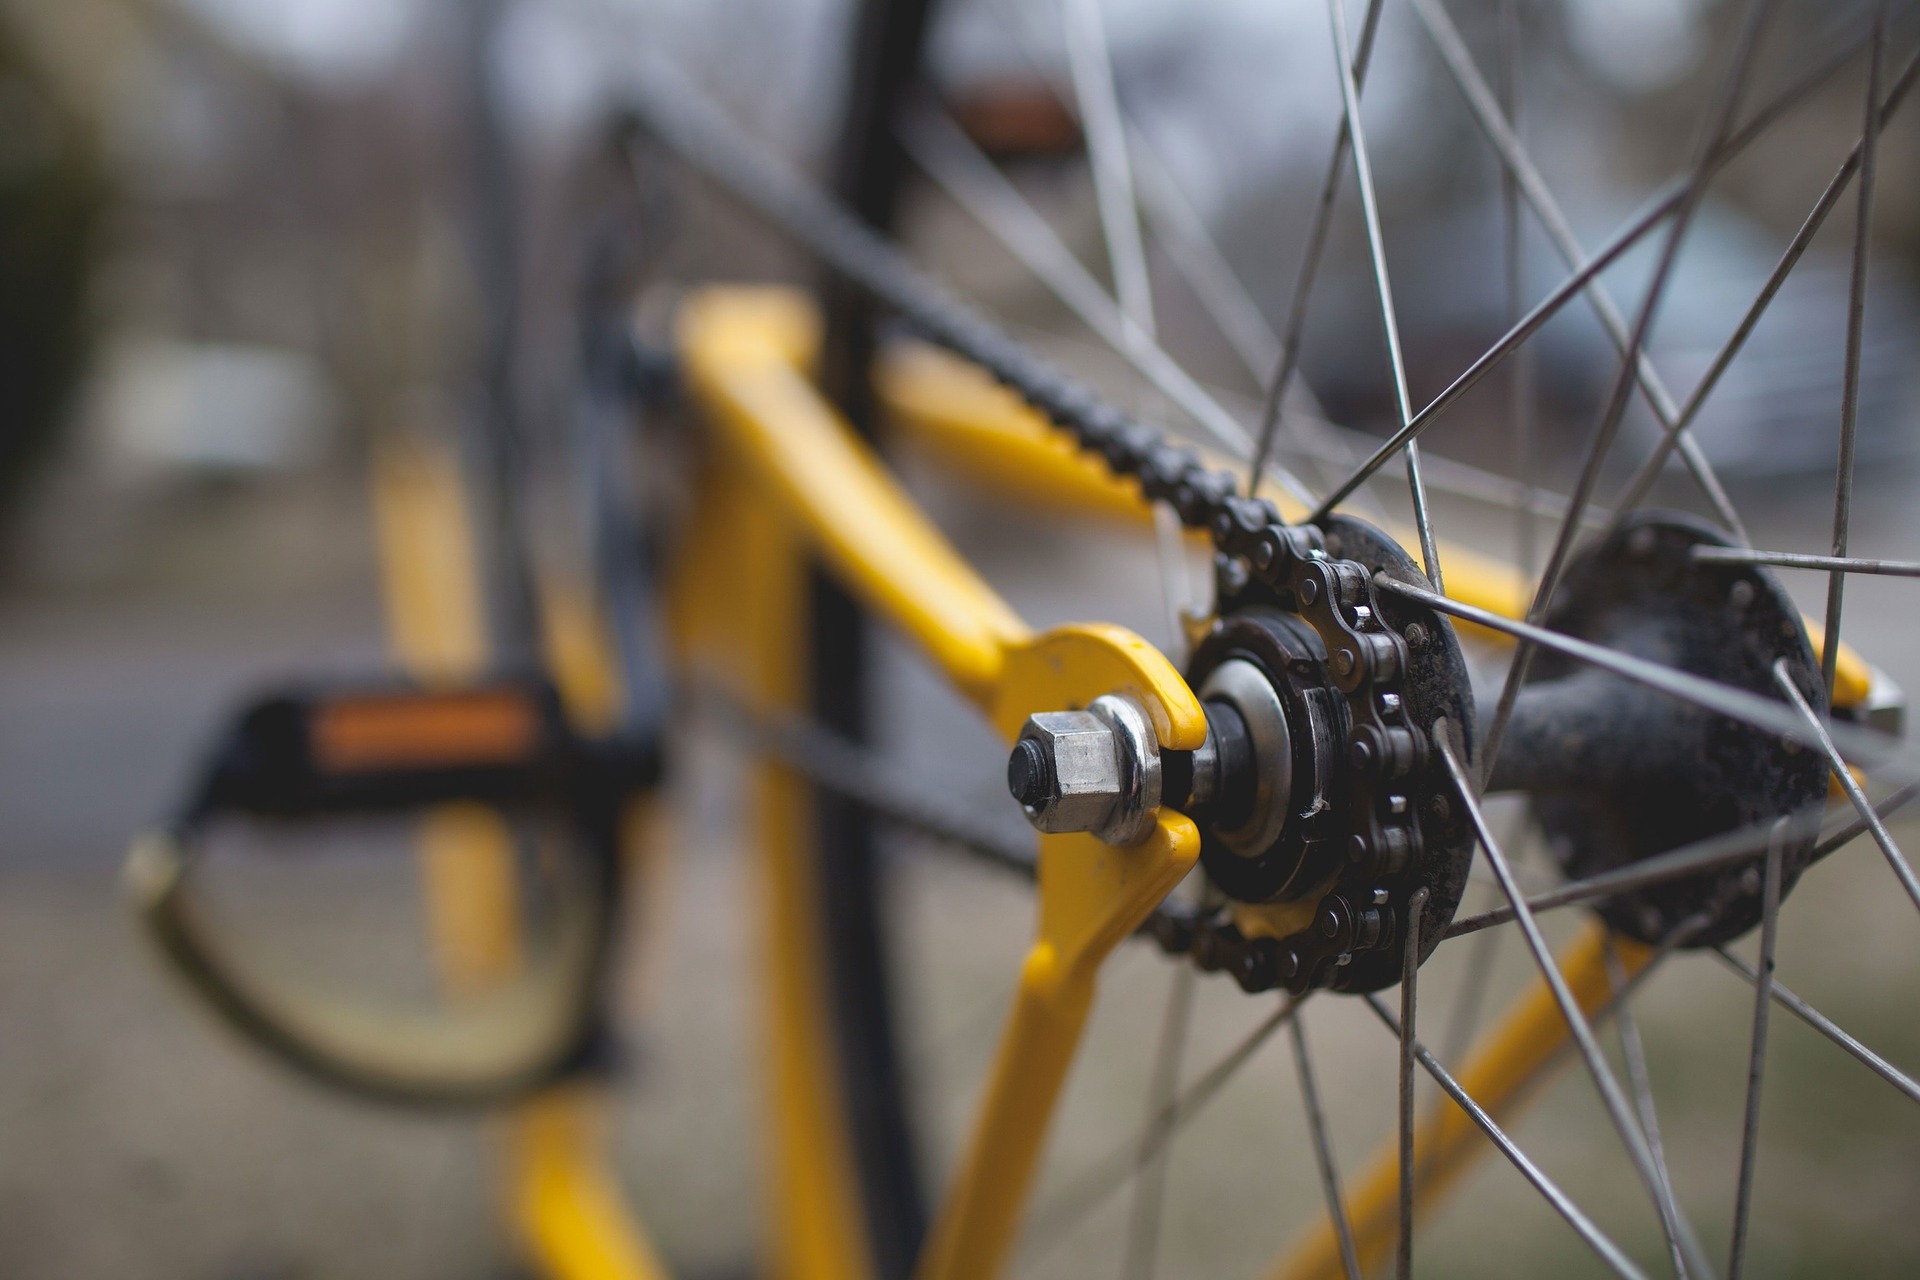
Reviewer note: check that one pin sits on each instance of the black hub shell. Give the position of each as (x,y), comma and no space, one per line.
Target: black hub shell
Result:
(1620,773)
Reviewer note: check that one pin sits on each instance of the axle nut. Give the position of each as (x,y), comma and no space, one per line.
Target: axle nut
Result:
(1096,770)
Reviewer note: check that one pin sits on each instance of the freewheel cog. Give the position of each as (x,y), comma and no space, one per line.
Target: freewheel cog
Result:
(1334,807)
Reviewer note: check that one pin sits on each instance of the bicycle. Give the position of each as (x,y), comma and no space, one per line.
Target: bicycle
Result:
(1684,736)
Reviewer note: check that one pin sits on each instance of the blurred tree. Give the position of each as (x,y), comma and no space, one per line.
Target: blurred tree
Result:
(53,196)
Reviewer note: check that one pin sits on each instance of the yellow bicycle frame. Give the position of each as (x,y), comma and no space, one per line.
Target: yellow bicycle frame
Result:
(789,482)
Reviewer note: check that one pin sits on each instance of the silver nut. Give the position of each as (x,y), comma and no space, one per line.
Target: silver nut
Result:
(1096,770)
(1083,770)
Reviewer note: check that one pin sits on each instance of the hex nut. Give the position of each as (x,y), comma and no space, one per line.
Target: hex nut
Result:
(1083,761)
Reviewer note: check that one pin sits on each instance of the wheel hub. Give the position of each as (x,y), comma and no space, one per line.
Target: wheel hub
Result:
(1619,773)
(1326,813)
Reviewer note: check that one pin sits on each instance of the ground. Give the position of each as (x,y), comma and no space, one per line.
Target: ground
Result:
(142,1141)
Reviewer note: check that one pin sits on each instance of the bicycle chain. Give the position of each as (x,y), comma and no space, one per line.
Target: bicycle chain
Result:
(860,774)
(1254,549)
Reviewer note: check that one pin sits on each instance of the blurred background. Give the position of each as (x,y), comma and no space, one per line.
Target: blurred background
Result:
(240,244)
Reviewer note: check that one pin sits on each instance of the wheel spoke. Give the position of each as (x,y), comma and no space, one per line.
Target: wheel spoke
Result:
(1514,159)
(1090,61)
(1509,342)
(1844,776)
(1691,860)
(857,774)
(1150,1165)
(1859,745)
(1448,475)
(1520,376)
(1323,1151)
(1289,357)
(949,157)
(1055,1222)
(1609,1252)
(1757,1055)
(1856,325)
(1636,489)
(1184,237)
(1585,276)
(1827,1027)
(1794,560)
(1623,384)
(1633,1052)
(1464,1018)
(1190,247)
(1383,285)
(1609,1089)
(1409,1008)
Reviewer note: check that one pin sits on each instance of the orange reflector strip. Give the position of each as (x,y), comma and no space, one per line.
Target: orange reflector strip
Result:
(448,730)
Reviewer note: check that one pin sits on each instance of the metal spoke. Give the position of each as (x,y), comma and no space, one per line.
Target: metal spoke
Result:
(1690,860)
(1183,234)
(1090,62)
(1117,1169)
(1514,159)
(1464,1018)
(1757,1055)
(1190,248)
(1383,285)
(1584,279)
(1844,776)
(1323,1152)
(1491,358)
(1615,410)
(1859,745)
(1643,480)
(1609,1088)
(1661,207)
(1633,1052)
(1184,237)
(1704,554)
(1520,376)
(1827,1027)
(1289,358)
(1330,443)
(1150,1166)
(1856,323)
(957,167)
(1409,1008)
(1609,1252)
(950,158)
